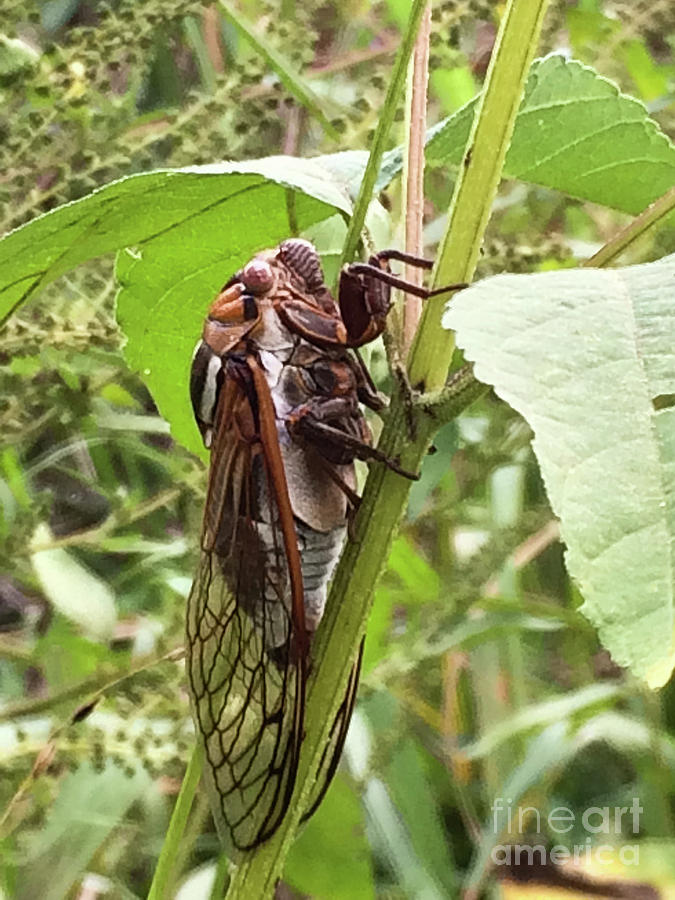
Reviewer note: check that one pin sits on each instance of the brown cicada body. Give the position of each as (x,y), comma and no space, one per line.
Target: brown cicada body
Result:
(275,387)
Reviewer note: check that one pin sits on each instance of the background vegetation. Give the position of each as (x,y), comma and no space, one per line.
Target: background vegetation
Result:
(481,679)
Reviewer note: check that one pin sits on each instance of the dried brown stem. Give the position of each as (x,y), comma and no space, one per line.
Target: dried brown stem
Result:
(414,201)
(524,553)
(212,40)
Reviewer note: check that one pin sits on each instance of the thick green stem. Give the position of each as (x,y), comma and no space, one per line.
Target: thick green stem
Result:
(257,875)
(445,405)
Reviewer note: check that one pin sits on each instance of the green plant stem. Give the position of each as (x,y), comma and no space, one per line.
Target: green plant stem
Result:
(92,688)
(222,874)
(258,873)
(649,218)
(461,389)
(161,880)
(379,142)
(195,825)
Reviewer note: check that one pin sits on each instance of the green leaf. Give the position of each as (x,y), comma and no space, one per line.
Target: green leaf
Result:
(435,467)
(118,396)
(575,132)
(550,750)
(66,656)
(650,78)
(586,356)
(399,11)
(629,736)
(420,582)
(228,200)
(56,13)
(73,589)
(391,840)
(378,645)
(16,58)
(454,86)
(346,168)
(538,715)
(475,630)
(166,288)
(190,229)
(89,805)
(419,808)
(331,858)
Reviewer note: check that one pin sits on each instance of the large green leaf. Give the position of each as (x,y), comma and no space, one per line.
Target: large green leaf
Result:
(575,132)
(189,230)
(587,356)
(236,200)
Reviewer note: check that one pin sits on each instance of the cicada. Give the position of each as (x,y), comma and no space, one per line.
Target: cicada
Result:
(276,385)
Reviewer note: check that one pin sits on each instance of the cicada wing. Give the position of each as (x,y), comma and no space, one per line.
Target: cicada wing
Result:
(246,645)
(336,739)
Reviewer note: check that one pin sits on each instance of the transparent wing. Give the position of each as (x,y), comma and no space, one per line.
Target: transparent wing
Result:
(246,644)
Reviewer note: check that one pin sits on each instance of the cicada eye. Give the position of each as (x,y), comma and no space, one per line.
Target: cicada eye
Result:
(258,276)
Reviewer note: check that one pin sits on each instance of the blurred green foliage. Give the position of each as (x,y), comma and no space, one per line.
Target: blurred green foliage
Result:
(481,679)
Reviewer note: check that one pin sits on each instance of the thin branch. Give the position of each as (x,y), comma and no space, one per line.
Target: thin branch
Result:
(42,761)
(525,553)
(386,45)
(413,174)
(170,849)
(648,219)
(292,80)
(212,38)
(93,687)
(381,136)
